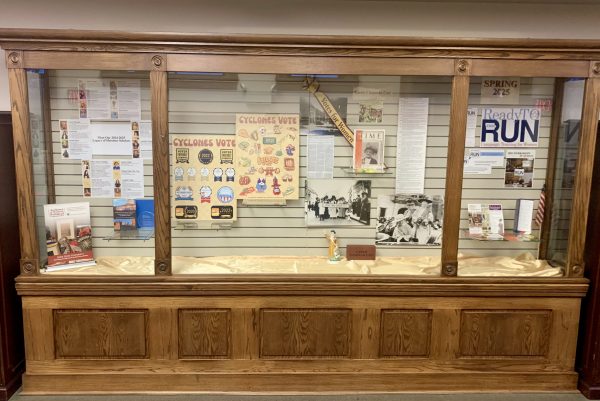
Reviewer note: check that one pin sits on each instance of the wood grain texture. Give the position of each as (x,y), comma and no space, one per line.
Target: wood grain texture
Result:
(100,334)
(559,87)
(87,60)
(366,332)
(405,333)
(299,382)
(583,178)
(490,333)
(204,333)
(305,333)
(454,173)
(285,285)
(160,158)
(310,65)
(19,99)
(529,68)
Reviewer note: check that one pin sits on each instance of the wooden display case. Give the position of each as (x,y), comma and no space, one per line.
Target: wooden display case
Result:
(302,333)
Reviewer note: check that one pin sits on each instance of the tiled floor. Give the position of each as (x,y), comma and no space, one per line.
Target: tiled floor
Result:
(347,397)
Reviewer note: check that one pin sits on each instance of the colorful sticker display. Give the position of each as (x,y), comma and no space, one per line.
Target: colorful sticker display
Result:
(203,177)
(267,156)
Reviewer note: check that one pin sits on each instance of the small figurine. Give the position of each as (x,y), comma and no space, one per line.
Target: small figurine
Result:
(334,250)
(276,189)
(261,185)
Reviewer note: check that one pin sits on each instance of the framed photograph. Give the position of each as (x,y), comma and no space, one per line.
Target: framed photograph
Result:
(409,220)
(340,202)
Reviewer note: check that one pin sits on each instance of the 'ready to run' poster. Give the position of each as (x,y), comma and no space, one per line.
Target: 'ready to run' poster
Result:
(204,178)
(267,155)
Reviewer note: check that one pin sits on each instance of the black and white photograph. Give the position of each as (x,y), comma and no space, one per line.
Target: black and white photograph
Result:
(313,118)
(409,220)
(340,202)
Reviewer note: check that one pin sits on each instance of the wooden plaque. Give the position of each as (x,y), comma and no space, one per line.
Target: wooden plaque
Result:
(360,252)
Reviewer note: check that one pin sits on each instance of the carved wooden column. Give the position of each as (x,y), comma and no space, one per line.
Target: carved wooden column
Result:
(19,104)
(584,169)
(160,154)
(454,167)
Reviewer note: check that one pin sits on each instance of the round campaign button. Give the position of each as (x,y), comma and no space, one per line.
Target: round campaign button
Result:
(205,156)
(225,194)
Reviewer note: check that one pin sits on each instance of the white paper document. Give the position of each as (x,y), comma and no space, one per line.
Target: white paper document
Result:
(94,99)
(471,127)
(320,156)
(128,99)
(481,161)
(75,139)
(132,178)
(111,138)
(101,174)
(146,139)
(523,216)
(411,145)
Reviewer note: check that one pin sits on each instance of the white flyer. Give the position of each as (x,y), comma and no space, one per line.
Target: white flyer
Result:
(111,178)
(128,99)
(523,216)
(132,178)
(320,157)
(75,141)
(471,168)
(94,100)
(411,145)
(111,138)
(493,221)
(486,157)
(471,127)
(141,139)
(475,212)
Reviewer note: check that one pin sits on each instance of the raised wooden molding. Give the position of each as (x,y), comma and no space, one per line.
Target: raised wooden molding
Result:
(159,62)
(119,41)
(595,68)
(46,285)
(14,59)
(462,67)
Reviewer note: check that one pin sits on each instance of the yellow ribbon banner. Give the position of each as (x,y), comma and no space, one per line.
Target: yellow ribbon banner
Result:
(311,85)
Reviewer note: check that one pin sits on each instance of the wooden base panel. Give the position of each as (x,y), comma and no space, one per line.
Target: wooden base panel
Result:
(297,382)
(264,343)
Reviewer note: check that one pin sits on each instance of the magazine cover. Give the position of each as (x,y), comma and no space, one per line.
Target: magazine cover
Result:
(124,214)
(68,233)
(368,150)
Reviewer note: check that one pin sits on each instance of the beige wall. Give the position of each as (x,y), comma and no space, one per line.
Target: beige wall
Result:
(535,19)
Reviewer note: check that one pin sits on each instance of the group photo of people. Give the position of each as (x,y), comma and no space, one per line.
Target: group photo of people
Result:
(337,203)
(409,220)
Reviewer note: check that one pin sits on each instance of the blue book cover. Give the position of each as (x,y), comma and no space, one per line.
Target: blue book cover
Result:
(145,213)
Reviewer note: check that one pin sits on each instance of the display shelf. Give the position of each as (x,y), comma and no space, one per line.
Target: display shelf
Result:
(508,236)
(143,234)
(366,172)
(203,226)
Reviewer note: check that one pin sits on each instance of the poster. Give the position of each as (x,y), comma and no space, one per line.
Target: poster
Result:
(111,178)
(104,99)
(510,127)
(75,140)
(267,155)
(519,168)
(411,145)
(500,90)
(68,234)
(341,202)
(471,127)
(94,99)
(111,138)
(141,139)
(369,147)
(409,220)
(204,178)
(320,157)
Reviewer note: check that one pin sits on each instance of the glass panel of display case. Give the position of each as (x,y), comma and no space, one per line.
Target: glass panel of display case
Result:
(508,149)
(98,217)
(297,174)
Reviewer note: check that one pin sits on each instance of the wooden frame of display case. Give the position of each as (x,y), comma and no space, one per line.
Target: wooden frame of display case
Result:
(299,333)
